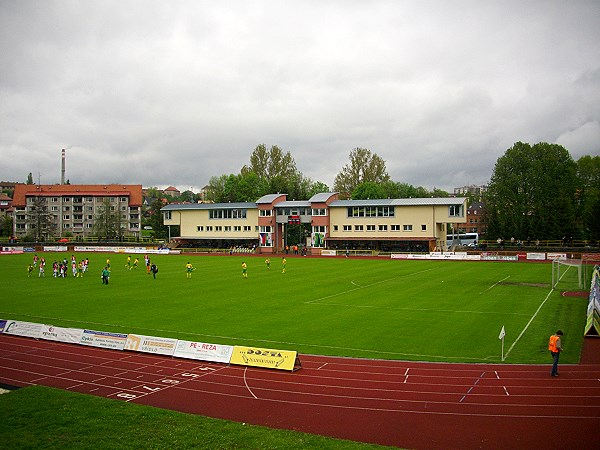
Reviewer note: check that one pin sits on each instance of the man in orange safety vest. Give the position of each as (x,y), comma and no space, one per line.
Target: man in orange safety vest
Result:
(555,347)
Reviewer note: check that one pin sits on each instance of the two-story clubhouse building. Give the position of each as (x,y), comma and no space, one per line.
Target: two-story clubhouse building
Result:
(407,224)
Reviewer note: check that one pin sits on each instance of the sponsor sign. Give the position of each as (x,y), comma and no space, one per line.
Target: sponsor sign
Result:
(262,357)
(58,248)
(60,334)
(203,351)
(102,339)
(2,325)
(11,250)
(327,252)
(27,329)
(554,256)
(150,344)
(536,256)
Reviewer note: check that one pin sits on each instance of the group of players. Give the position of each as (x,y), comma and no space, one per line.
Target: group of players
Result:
(60,269)
(267,263)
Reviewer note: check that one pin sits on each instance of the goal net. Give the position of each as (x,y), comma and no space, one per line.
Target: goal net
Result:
(567,274)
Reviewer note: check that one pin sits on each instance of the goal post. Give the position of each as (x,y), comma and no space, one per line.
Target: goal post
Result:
(567,273)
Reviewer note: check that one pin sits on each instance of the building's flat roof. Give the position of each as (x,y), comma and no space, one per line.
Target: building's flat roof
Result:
(433,201)
(204,206)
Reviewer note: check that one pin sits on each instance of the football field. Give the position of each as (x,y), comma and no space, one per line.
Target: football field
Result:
(369,308)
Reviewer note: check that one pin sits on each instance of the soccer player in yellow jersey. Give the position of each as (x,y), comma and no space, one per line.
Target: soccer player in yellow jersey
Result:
(244,270)
(283,263)
(189,269)
(268,263)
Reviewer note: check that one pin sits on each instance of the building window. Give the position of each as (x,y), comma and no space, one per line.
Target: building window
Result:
(66,217)
(319,229)
(218,228)
(455,211)
(382,227)
(347,227)
(358,228)
(265,229)
(370,227)
(395,227)
(54,208)
(227,228)
(167,215)
(66,199)
(335,228)
(319,212)
(209,228)
(237,228)
(265,212)
(227,214)
(423,227)
(247,228)
(199,228)
(407,227)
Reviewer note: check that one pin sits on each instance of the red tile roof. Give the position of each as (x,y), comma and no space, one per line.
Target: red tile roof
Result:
(133,191)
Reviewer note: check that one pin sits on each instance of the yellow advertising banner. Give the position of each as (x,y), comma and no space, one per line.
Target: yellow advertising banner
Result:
(262,357)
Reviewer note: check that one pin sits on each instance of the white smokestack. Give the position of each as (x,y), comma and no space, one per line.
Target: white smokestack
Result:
(62,172)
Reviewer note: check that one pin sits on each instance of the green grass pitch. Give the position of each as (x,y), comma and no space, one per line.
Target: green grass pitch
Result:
(368,308)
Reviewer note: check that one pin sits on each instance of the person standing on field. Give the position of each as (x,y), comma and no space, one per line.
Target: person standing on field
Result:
(555,347)
(105,275)
(283,263)
(154,270)
(189,269)
(244,270)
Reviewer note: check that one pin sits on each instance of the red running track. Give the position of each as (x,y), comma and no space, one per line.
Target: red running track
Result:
(398,403)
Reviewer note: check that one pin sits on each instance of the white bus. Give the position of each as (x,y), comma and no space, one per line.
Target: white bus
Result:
(462,240)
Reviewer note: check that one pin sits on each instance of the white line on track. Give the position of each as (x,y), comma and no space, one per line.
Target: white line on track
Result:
(246,383)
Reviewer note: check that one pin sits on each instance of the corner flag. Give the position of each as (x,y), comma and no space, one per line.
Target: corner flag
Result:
(502,333)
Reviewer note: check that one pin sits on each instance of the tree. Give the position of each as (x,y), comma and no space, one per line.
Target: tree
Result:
(364,166)
(588,196)
(40,220)
(317,187)
(154,219)
(29,179)
(268,164)
(368,190)
(107,222)
(531,193)
(6,225)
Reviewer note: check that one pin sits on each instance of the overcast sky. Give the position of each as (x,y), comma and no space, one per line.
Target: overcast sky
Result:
(165,93)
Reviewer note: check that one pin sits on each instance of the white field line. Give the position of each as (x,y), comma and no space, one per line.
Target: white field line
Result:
(368,285)
(533,317)
(495,284)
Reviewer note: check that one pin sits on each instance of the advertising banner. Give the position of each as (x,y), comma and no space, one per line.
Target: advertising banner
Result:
(262,357)
(27,329)
(150,344)
(203,351)
(102,339)
(533,256)
(2,325)
(60,334)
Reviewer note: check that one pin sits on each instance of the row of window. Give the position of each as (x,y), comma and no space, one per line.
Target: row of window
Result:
(225,228)
(79,199)
(395,227)
(75,226)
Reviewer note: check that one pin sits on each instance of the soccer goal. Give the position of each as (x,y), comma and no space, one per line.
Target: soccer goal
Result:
(566,274)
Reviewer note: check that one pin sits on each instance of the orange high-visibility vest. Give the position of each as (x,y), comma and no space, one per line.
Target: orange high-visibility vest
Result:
(552,343)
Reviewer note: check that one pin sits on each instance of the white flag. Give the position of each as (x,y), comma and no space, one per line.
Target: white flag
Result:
(502,333)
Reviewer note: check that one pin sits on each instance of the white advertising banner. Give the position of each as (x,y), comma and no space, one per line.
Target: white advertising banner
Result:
(203,351)
(554,256)
(327,252)
(150,344)
(60,334)
(27,329)
(102,339)
(533,256)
